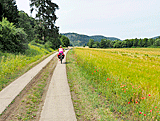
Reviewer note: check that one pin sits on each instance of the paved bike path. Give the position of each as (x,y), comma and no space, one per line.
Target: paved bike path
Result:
(8,94)
(58,105)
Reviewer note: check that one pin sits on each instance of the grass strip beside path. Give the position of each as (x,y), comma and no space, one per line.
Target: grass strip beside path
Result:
(88,104)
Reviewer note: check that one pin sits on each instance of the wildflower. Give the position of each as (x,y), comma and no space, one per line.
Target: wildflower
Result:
(97,70)
(133,86)
(129,102)
(157,111)
(118,79)
(94,71)
(144,114)
(150,110)
(140,112)
(149,95)
(111,82)
(125,91)
(136,102)
(155,106)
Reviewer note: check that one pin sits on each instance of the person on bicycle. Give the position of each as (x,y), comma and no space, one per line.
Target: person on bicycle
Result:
(60,52)
(60,49)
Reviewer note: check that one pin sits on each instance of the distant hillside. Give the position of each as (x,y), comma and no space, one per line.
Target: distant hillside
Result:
(79,40)
(156,37)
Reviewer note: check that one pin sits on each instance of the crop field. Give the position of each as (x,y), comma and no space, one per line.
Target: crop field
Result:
(128,79)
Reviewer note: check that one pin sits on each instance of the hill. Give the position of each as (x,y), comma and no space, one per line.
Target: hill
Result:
(79,39)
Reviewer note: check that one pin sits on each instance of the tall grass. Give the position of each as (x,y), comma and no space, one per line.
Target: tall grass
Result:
(127,78)
(13,65)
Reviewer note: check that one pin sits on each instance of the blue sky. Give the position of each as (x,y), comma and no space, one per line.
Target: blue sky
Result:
(124,19)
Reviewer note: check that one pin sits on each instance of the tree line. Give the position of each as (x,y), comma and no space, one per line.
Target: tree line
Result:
(18,29)
(128,43)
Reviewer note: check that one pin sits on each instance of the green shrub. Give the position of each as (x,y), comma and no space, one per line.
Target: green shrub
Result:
(12,39)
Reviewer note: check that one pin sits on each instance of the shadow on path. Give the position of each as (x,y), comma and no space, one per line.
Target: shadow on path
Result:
(67,63)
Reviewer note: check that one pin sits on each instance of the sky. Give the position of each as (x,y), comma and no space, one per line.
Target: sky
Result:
(124,19)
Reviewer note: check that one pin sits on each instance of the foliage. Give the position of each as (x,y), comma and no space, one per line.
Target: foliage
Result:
(9,10)
(64,40)
(91,42)
(133,94)
(12,39)
(28,24)
(46,30)
(128,43)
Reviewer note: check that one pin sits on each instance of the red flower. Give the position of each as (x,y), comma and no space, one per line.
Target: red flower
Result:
(144,114)
(140,112)
(124,91)
(150,110)
(94,71)
(149,95)
(136,102)
(155,106)
(97,70)
(129,102)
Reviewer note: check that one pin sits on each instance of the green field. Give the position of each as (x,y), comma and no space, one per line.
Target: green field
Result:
(128,79)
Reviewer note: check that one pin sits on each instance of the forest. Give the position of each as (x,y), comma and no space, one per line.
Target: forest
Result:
(128,43)
(18,29)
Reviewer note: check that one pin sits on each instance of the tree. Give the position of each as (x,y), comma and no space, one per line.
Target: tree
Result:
(135,42)
(91,42)
(140,42)
(117,44)
(12,39)
(144,42)
(124,44)
(108,43)
(9,10)
(97,43)
(64,40)
(112,43)
(157,42)
(28,24)
(129,43)
(46,14)
(150,42)
(103,43)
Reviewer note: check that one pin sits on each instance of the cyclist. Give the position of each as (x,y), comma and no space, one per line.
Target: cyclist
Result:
(60,49)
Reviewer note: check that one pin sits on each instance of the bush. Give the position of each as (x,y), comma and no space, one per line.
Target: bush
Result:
(12,39)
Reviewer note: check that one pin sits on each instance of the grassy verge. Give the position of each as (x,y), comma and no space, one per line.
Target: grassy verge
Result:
(28,105)
(125,79)
(89,104)
(14,65)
